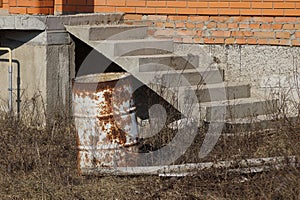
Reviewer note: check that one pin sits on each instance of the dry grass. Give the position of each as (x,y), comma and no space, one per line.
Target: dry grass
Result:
(41,164)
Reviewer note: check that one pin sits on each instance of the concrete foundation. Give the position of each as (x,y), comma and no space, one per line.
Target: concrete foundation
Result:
(43,60)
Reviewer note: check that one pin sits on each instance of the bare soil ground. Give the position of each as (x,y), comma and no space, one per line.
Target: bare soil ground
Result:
(41,164)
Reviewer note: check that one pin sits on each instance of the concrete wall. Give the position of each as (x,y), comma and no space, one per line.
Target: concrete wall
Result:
(272,71)
(46,70)
(33,78)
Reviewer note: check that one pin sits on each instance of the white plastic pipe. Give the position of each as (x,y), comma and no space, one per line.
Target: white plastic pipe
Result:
(10,70)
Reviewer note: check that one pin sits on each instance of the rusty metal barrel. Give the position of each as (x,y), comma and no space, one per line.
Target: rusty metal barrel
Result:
(105,121)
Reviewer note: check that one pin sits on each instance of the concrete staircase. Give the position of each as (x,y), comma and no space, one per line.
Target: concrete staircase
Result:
(197,92)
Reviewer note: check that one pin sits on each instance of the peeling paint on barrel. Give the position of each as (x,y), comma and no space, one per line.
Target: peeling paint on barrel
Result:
(105,121)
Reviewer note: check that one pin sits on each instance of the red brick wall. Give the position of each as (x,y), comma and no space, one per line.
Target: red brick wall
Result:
(28,6)
(207,29)
(172,7)
(273,22)
(202,7)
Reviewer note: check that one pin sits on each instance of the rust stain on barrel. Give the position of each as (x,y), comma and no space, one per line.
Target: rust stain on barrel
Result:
(104,116)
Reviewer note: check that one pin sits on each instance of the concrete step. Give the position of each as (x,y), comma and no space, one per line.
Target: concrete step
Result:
(183,95)
(274,121)
(116,48)
(179,80)
(219,91)
(109,32)
(261,122)
(118,32)
(167,62)
(236,126)
(222,111)
(192,77)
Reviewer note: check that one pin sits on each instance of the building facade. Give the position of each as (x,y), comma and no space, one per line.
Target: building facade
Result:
(253,41)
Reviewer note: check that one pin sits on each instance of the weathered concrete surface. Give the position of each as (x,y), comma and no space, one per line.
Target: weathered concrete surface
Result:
(152,63)
(233,91)
(60,66)
(50,22)
(111,32)
(32,63)
(59,22)
(38,37)
(46,70)
(238,108)
(273,71)
(22,22)
(116,48)
(263,66)
(193,77)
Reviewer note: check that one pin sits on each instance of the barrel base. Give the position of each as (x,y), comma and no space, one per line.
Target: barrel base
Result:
(107,159)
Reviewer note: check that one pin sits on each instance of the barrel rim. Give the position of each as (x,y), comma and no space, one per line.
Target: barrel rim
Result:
(101,77)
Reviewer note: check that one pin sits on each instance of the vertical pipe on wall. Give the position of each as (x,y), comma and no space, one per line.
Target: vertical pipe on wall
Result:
(10,89)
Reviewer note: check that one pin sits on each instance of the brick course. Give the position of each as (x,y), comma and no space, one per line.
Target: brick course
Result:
(213,7)
(175,7)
